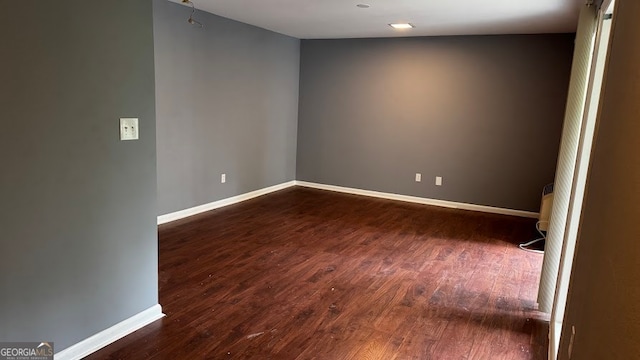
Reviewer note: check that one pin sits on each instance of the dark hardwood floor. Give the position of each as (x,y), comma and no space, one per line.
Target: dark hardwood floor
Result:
(310,274)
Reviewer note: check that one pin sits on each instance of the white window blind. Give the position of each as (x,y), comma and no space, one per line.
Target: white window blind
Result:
(565,171)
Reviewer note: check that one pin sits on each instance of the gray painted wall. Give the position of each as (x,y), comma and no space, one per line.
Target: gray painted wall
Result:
(484,112)
(227,102)
(77,213)
(604,295)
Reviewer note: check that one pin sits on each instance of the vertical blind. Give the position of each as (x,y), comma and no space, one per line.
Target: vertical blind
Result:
(565,172)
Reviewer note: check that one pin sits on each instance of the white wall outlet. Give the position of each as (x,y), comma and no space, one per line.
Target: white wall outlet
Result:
(129,129)
(223,178)
(438,180)
(418,177)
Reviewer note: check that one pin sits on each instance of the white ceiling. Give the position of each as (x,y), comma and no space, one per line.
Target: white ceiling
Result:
(313,19)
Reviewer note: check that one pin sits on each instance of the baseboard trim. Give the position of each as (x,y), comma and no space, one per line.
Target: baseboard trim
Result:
(110,335)
(420,200)
(163,219)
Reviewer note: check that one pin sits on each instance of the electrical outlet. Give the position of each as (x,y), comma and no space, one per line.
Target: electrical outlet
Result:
(438,180)
(129,129)
(223,178)
(418,177)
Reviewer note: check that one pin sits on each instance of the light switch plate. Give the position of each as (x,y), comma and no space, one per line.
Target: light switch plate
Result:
(129,129)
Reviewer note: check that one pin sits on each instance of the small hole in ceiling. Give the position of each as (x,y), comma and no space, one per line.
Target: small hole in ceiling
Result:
(363,6)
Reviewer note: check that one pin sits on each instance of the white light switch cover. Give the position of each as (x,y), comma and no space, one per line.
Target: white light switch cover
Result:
(129,129)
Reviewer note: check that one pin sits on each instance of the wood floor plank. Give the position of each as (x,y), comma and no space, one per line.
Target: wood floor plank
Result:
(310,274)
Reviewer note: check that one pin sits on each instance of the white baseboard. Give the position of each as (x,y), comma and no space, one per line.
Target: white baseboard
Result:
(110,335)
(420,200)
(162,219)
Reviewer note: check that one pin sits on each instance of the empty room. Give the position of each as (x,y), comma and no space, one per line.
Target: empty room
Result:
(295,179)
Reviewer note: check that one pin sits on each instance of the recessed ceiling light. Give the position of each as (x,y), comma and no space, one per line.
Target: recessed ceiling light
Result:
(363,6)
(402,26)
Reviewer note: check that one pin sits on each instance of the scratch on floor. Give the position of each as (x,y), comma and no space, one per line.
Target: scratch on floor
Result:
(255,335)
